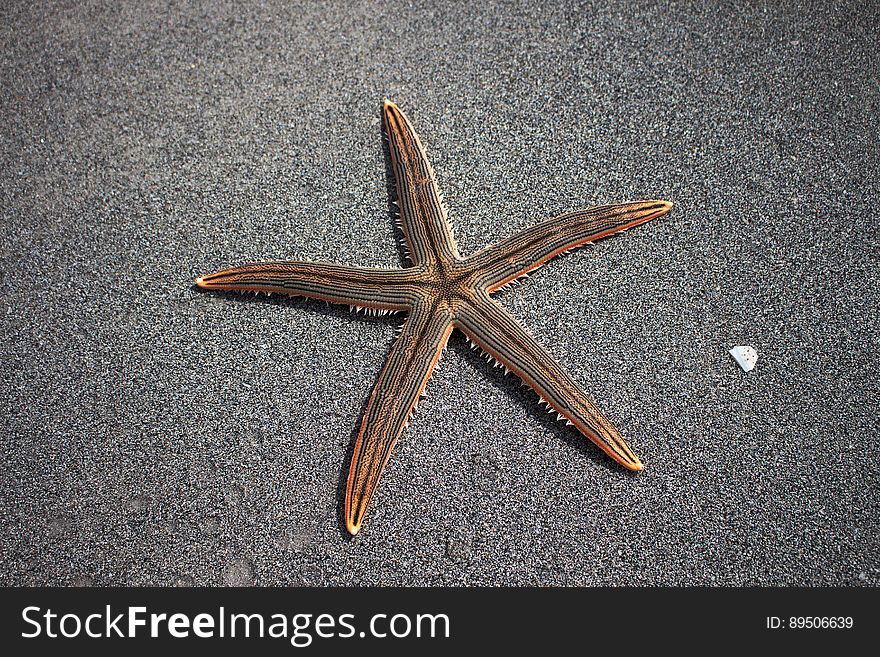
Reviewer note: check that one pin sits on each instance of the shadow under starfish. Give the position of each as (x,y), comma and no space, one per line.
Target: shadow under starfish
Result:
(440,292)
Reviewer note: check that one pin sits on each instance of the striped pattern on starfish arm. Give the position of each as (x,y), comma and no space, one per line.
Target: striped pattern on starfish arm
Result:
(440,292)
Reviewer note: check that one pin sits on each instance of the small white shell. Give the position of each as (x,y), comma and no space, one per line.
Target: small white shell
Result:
(745,356)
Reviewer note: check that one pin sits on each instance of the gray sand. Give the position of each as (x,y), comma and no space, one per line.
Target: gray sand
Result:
(155,435)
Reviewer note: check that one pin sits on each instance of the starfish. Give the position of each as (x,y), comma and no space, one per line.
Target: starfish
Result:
(442,291)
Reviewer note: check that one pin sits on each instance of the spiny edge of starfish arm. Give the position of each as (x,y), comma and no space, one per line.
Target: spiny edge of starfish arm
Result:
(357,502)
(612,443)
(421,212)
(548,239)
(373,290)
(634,463)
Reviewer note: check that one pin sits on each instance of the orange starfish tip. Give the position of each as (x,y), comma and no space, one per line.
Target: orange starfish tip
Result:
(665,206)
(635,465)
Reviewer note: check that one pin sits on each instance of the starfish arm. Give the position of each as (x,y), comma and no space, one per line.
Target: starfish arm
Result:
(382,289)
(422,213)
(496,332)
(407,369)
(521,253)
